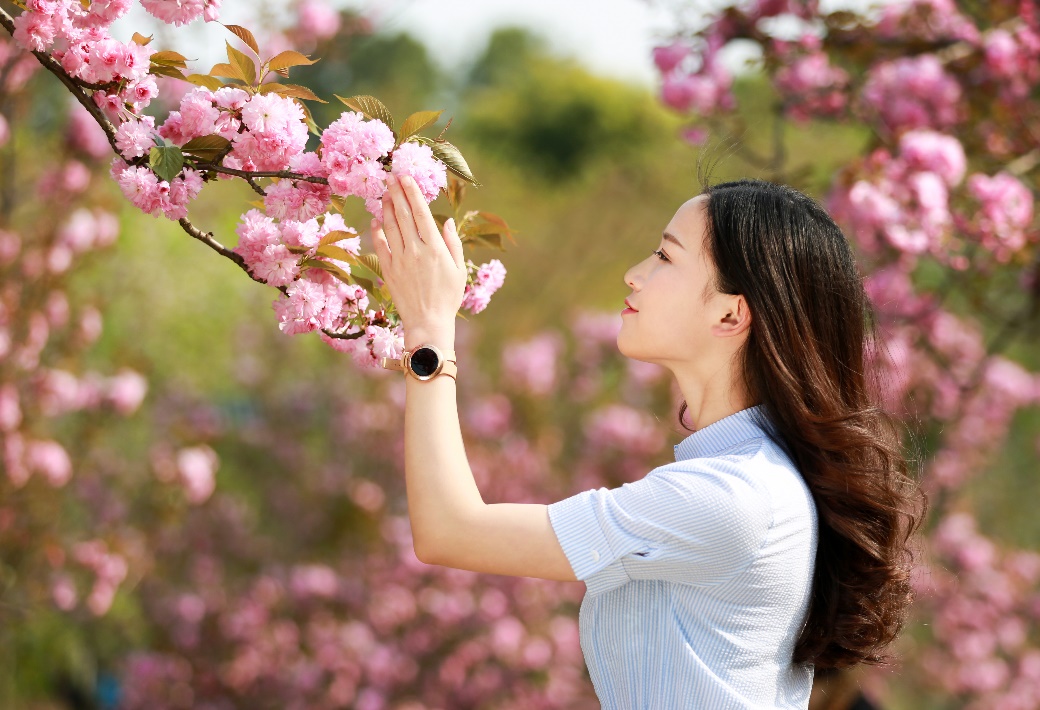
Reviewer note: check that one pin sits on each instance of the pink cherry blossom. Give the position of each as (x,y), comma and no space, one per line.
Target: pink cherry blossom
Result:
(197,467)
(669,56)
(913,92)
(934,152)
(181,12)
(135,138)
(417,160)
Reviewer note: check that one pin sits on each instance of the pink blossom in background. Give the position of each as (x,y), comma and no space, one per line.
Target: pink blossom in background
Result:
(126,391)
(181,12)
(811,86)
(5,131)
(197,468)
(531,365)
(935,152)
(704,93)
(489,417)
(86,135)
(317,19)
(313,580)
(928,19)
(49,459)
(10,409)
(912,92)
(669,56)
(1005,213)
(624,428)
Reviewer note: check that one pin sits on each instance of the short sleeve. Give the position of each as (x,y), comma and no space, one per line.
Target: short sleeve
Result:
(700,524)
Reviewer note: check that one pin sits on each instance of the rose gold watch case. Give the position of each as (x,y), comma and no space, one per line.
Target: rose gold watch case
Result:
(405,363)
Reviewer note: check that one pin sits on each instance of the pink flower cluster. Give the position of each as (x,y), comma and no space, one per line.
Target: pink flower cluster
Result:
(298,200)
(150,194)
(78,37)
(929,20)
(905,199)
(482,283)
(109,568)
(1012,60)
(532,365)
(912,92)
(181,12)
(1005,212)
(983,604)
(704,92)
(811,86)
(266,130)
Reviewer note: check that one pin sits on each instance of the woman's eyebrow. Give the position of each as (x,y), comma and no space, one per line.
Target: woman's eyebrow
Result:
(671,238)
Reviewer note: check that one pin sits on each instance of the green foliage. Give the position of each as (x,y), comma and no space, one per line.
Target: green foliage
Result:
(554,118)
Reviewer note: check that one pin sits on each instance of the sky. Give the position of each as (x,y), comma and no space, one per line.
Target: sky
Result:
(612,37)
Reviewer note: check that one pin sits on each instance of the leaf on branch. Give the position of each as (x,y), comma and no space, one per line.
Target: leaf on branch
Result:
(289,58)
(166,70)
(206,147)
(169,58)
(240,61)
(455,192)
(332,251)
(416,122)
(246,36)
(209,82)
(291,91)
(140,39)
(371,262)
(451,157)
(166,161)
(259,204)
(371,107)
(225,70)
(282,73)
(327,266)
(334,236)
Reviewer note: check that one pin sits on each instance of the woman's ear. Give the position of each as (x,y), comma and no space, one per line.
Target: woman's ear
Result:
(736,317)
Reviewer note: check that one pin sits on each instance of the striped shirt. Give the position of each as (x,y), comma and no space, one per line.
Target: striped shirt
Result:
(698,576)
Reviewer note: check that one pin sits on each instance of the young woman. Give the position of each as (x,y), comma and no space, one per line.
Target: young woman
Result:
(778,540)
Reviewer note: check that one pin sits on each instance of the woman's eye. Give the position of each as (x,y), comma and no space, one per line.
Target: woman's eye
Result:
(660,255)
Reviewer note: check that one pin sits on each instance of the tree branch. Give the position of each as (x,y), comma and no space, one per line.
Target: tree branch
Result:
(249,174)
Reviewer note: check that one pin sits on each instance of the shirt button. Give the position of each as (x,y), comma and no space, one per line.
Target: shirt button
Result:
(595,555)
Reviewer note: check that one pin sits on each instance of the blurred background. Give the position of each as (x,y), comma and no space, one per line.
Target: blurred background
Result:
(201,512)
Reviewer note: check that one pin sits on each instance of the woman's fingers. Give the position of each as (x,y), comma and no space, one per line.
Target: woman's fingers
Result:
(405,216)
(393,232)
(429,232)
(382,248)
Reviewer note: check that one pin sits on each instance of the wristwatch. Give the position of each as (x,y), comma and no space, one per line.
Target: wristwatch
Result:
(424,362)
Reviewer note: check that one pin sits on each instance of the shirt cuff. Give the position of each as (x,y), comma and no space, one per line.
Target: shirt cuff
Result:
(581,537)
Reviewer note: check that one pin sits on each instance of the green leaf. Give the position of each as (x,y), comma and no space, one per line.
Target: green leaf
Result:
(371,262)
(210,82)
(289,58)
(416,122)
(451,157)
(370,106)
(243,65)
(246,36)
(166,162)
(210,142)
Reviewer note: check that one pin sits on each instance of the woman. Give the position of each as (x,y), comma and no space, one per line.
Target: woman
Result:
(778,540)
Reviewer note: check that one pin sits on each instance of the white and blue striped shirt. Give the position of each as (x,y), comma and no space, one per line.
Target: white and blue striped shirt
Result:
(698,576)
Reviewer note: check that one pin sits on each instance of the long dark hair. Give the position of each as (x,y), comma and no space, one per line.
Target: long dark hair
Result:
(805,360)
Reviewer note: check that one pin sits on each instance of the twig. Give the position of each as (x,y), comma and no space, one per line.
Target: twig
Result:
(247,174)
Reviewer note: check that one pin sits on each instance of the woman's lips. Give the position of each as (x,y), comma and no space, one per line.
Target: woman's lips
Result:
(629,310)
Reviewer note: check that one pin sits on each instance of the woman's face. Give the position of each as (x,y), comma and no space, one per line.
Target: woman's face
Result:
(675,297)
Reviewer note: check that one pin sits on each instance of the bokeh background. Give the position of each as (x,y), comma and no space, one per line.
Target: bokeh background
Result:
(198,511)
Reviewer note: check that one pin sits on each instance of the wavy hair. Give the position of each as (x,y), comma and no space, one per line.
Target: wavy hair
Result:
(805,360)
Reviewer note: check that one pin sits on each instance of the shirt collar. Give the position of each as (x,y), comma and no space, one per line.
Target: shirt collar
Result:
(746,424)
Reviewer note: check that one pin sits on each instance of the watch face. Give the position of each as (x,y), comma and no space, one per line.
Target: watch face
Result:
(424,362)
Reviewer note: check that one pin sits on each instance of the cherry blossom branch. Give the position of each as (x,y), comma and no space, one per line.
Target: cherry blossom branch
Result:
(249,174)
(51,65)
(77,90)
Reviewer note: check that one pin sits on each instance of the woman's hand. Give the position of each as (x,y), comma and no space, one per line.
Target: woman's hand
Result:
(424,270)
